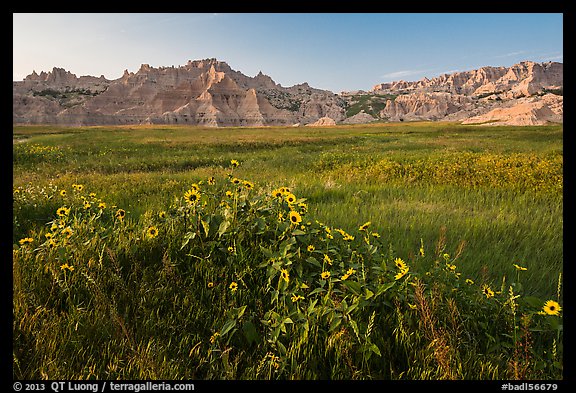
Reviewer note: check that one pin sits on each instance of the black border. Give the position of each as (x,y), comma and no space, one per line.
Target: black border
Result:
(449,6)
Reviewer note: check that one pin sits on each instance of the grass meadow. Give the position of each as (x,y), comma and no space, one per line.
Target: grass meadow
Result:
(382,251)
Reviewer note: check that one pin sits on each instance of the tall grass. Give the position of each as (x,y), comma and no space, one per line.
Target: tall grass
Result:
(148,293)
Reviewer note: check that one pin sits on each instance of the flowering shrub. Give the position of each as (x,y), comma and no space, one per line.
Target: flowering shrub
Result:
(234,281)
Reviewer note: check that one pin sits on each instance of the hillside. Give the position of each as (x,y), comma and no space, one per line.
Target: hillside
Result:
(210,93)
(203,92)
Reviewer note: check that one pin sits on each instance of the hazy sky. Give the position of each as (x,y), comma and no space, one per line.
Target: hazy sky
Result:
(333,51)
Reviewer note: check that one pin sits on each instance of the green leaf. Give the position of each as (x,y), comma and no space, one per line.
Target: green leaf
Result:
(250,332)
(374,348)
(317,290)
(187,237)
(206,227)
(554,323)
(228,325)
(224,225)
(267,252)
(335,323)
(369,293)
(531,301)
(298,232)
(355,328)
(275,334)
(313,261)
(312,305)
(281,348)
(239,311)
(383,288)
(354,287)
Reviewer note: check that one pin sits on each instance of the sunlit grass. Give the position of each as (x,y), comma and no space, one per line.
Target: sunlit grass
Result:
(149,295)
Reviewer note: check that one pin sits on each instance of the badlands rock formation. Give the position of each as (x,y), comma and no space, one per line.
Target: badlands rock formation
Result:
(526,111)
(323,121)
(210,93)
(202,92)
(527,93)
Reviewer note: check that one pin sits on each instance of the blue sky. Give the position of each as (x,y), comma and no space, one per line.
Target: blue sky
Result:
(332,51)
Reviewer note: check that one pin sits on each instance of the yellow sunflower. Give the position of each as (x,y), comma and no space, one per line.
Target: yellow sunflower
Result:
(285,275)
(363,227)
(290,198)
(63,211)
(120,214)
(191,197)
(552,308)
(487,291)
(400,264)
(152,232)
(295,217)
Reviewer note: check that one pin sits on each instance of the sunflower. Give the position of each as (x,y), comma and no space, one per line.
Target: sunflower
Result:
(191,196)
(519,267)
(26,240)
(152,232)
(234,163)
(376,235)
(162,214)
(327,259)
(552,308)
(277,193)
(235,180)
(345,277)
(62,211)
(67,231)
(210,284)
(487,291)
(363,227)
(310,248)
(469,282)
(233,286)
(66,266)
(284,190)
(290,198)
(120,214)
(295,217)
(87,205)
(248,185)
(400,264)
(102,205)
(285,275)
(63,192)
(325,275)
(295,298)
(350,271)
(211,180)
(195,187)
(401,274)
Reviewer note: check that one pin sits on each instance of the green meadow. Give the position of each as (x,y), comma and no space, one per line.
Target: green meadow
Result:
(384,251)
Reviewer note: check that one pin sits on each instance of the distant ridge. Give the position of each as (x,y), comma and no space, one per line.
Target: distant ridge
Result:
(209,92)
